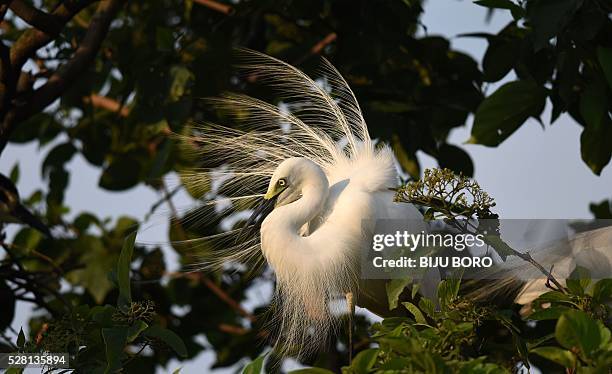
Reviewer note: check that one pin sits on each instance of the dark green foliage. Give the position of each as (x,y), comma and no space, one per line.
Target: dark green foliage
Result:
(560,50)
(97,337)
(146,81)
(456,335)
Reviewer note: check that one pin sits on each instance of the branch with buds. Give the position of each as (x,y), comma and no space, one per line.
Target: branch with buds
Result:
(452,197)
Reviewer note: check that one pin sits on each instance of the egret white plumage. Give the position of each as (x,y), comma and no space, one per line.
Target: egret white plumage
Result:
(314,163)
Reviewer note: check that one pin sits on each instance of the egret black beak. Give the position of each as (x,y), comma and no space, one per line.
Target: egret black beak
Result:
(261,211)
(252,225)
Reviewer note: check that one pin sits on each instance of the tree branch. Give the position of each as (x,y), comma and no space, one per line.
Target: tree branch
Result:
(107,103)
(214,5)
(7,84)
(226,298)
(220,293)
(32,40)
(317,48)
(59,81)
(37,18)
(3,9)
(85,53)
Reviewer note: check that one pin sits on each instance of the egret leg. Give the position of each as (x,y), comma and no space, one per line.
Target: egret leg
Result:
(350,302)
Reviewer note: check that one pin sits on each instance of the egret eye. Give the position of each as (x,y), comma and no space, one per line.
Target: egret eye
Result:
(282,182)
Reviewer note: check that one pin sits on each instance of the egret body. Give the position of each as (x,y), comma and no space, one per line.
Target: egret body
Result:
(312,158)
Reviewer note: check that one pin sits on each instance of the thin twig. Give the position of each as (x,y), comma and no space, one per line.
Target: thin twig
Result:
(162,200)
(168,199)
(109,104)
(318,48)
(217,6)
(135,354)
(226,297)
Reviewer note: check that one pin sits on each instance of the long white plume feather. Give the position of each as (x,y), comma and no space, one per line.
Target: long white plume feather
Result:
(315,120)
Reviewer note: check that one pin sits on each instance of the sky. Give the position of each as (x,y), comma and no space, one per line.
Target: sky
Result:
(536,173)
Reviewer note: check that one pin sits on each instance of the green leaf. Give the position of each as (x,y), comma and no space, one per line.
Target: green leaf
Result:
(448,290)
(549,17)
(58,181)
(554,296)
(14,174)
(168,337)
(552,313)
(602,210)
(515,9)
(579,280)
(27,239)
(97,263)
(180,80)
(157,170)
(429,215)
(135,330)
(103,315)
(541,340)
(255,366)
(57,157)
(364,361)
(122,172)
(576,330)
(21,338)
(499,245)
(595,147)
(164,38)
(604,55)
(416,312)
(455,159)
(501,55)
(114,341)
(593,104)
(84,220)
(605,334)
(311,371)
(560,356)
(407,160)
(125,225)
(35,198)
(41,126)
(394,289)
(502,113)
(14,371)
(498,4)
(602,291)
(7,300)
(521,347)
(123,272)
(427,306)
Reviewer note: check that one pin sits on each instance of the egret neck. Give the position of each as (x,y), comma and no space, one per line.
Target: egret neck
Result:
(280,231)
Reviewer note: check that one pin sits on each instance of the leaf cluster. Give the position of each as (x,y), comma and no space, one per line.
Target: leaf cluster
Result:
(560,51)
(447,194)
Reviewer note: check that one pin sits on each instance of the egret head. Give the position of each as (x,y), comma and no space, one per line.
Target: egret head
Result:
(290,179)
(288,182)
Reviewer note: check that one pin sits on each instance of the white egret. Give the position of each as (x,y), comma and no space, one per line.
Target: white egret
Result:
(321,191)
(327,181)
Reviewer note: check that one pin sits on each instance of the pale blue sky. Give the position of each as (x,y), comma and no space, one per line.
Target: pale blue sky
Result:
(536,173)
